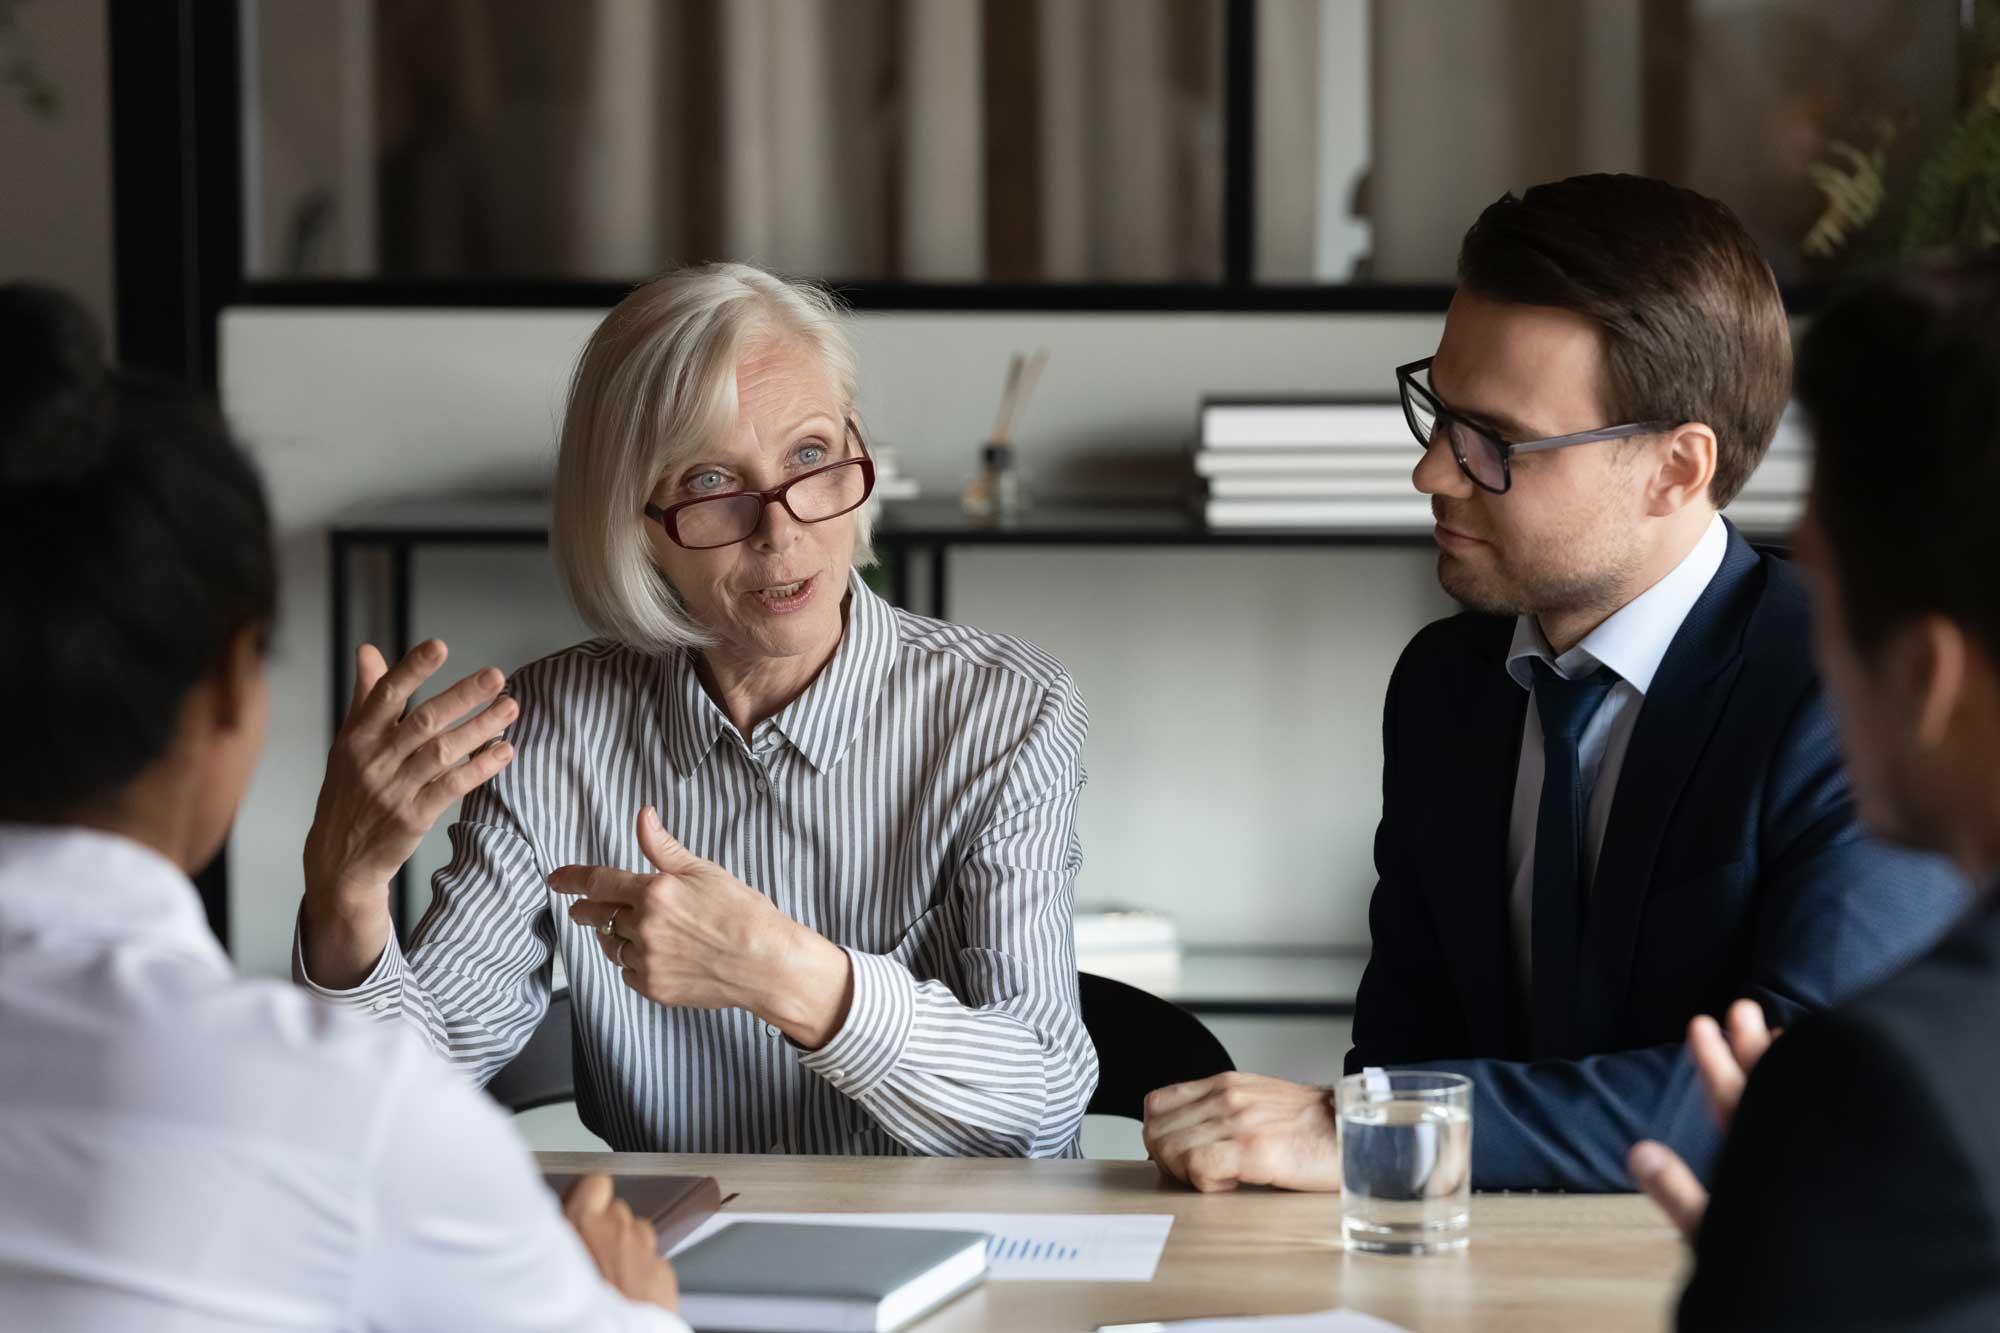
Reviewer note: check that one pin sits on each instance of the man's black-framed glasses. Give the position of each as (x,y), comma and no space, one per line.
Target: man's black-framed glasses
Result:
(812,497)
(1485,458)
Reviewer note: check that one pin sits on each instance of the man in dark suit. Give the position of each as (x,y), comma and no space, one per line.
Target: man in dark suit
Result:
(1860,1186)
(1612,797)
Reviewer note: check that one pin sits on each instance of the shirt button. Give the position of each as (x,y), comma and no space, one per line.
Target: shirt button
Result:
(771,1030)
(763,785)
(380,1007)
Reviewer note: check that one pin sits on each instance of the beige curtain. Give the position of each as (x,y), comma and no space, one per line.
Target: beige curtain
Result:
(919,140)
(1473,98)
(1735,98)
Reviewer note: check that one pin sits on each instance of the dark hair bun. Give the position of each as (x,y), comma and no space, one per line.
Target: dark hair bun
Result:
(55,411)
(134,545)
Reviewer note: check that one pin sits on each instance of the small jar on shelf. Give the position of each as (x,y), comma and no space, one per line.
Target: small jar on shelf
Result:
(996,493)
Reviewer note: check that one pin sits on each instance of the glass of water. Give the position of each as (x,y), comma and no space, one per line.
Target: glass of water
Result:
(1405,1161)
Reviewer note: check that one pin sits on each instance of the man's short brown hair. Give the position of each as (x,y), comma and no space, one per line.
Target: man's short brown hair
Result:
(1694,328)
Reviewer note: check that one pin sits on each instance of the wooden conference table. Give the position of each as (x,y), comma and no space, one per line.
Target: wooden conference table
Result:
(1536,1262)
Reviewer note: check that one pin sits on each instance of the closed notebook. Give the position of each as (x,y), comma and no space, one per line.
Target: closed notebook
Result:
(675,1205)
(781,1277)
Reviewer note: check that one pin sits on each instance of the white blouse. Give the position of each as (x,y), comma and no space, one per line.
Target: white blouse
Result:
(183,1149)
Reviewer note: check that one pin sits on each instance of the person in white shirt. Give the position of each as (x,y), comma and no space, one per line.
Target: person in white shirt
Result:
(181,1148)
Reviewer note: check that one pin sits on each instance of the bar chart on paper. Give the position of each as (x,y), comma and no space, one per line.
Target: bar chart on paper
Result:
(1028,1250)
(1021,1247)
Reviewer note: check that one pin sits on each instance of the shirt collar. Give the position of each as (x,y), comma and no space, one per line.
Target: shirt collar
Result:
(1634,640)
(822,722)
(61,882)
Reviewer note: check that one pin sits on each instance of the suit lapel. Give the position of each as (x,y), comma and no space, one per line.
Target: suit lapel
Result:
(1675,723)
(1468,819)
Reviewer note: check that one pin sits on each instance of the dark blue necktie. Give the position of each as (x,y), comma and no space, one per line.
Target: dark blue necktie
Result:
(1565,708)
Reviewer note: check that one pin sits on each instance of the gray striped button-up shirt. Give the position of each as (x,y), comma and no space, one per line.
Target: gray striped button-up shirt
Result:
(916,805)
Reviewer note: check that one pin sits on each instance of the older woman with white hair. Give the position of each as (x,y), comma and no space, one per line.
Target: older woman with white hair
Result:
(808,859)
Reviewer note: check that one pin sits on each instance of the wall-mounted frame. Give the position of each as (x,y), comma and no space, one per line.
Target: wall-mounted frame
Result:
(196,159)
(181,88)
(1236,289)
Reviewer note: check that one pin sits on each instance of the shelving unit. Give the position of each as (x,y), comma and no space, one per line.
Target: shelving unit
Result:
(1214,981)
(1269,982)
(906,535)
(929,531)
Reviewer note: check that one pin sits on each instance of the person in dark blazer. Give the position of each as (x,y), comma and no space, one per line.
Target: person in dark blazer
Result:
(1860,1184)
(1612,793)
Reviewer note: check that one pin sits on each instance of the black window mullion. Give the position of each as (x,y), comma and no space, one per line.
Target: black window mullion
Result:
(176,193)
(1239,163)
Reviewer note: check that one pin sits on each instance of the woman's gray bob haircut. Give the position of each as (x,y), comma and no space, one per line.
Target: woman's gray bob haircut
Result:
(654,386)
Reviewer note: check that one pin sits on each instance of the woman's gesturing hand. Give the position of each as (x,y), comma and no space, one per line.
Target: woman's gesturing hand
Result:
(389,776)
(695,935)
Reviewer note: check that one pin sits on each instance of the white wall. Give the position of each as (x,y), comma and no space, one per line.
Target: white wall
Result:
(1235,696)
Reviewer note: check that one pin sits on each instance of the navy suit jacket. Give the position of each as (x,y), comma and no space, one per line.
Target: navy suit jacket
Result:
(1732,866)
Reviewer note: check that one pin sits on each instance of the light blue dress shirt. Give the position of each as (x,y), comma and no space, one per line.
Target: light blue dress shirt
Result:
(1632,642)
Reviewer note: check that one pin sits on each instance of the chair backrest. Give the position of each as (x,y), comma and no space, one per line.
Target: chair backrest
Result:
(1143,1042)
(542,1074)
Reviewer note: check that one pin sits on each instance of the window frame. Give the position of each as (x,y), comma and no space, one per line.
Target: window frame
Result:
(194,156)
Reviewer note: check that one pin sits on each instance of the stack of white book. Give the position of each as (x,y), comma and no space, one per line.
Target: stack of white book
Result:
(890,482)
(1775,495)
(1139,948)
(1309,465)
(1347,466)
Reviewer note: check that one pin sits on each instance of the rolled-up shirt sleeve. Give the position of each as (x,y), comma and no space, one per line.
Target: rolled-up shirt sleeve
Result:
(1006,1068)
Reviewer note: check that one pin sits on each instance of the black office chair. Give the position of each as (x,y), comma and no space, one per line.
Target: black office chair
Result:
(1143,1042)
(542,1074)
